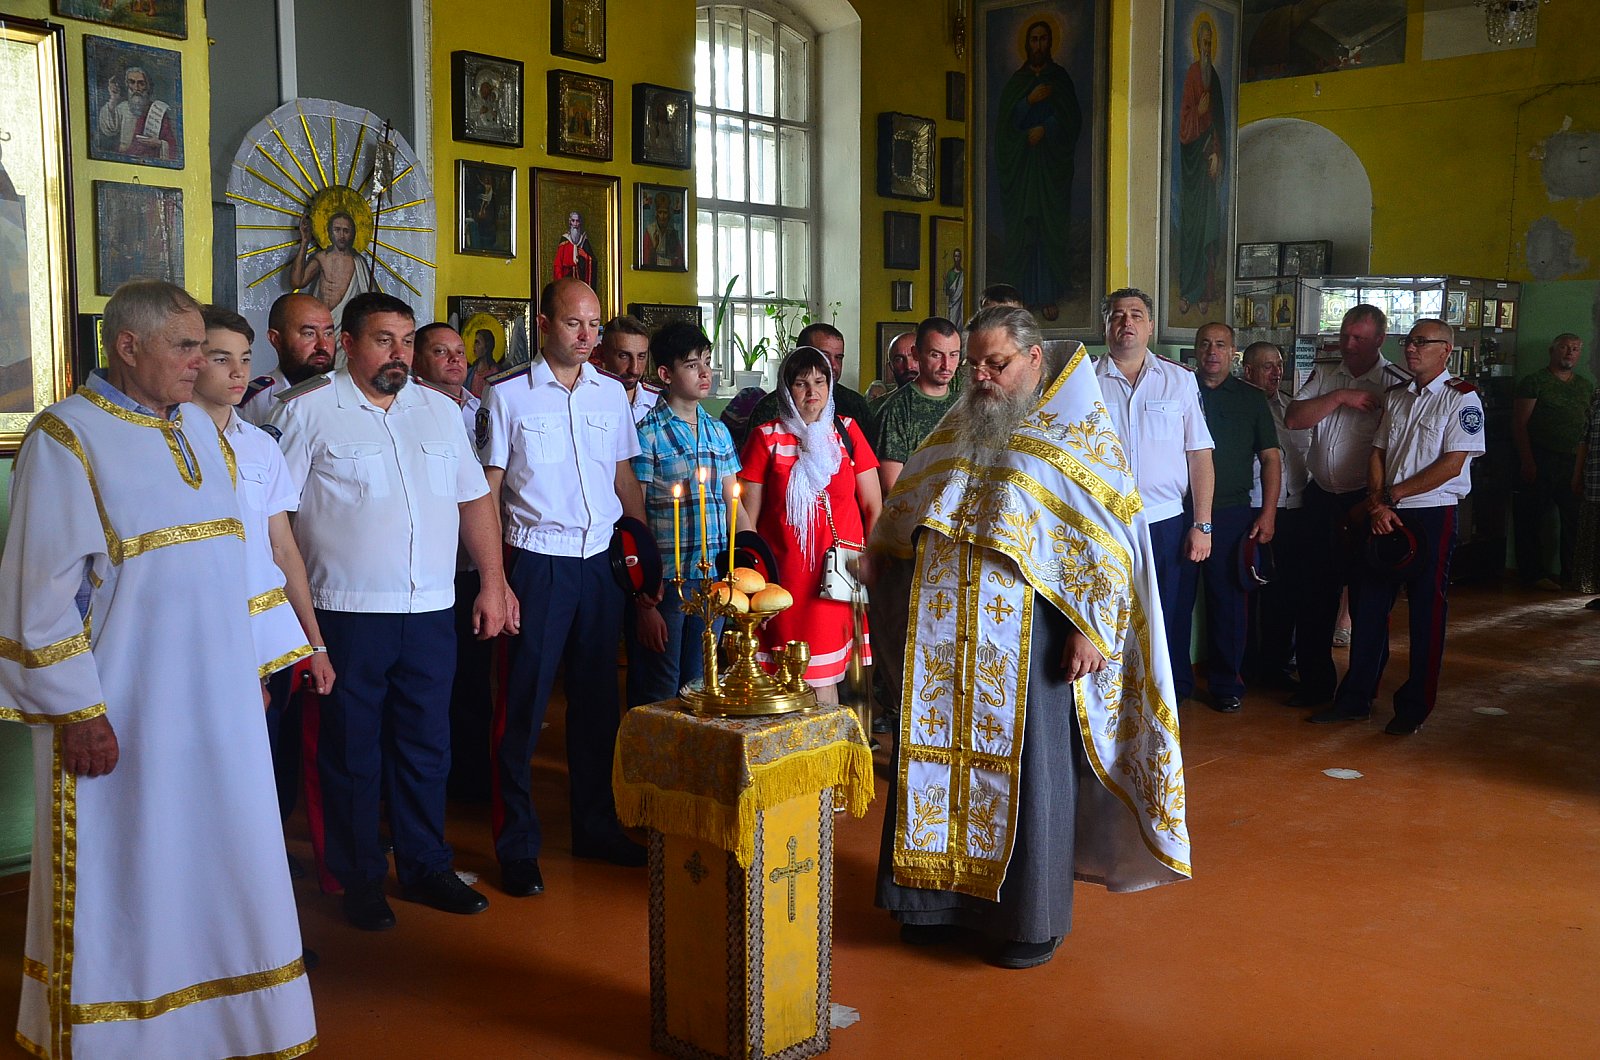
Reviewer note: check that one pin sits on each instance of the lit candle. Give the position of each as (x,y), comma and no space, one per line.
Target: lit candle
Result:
(733,522)
(700,475)
(677,528)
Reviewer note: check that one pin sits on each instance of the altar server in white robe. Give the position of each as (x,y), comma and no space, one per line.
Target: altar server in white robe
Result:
(160,917)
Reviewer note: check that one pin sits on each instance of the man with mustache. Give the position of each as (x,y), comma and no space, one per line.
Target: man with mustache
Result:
(300,329)
(1038,739)
(387,487)
(625,356)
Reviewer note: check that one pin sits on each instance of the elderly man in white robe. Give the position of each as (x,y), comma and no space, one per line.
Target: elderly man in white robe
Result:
(160,916)
(1038,726)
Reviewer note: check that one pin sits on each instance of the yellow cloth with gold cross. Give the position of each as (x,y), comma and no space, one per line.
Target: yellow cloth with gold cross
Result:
(1054,516)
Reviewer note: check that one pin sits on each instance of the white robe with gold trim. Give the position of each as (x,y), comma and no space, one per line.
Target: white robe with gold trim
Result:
(161,922)
(1054,517)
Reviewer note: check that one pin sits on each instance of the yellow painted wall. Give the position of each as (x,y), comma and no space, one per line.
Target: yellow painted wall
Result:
(646,40)
(1451,145)
(906,50)
(195,176)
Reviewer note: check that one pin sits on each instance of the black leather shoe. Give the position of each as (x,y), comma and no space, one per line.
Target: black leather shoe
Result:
(1397,727)
(521,879)
(1226,704)
(1310,698)
(367,908)
(615,848)
(445,892)
(1337,713)
(1026,954)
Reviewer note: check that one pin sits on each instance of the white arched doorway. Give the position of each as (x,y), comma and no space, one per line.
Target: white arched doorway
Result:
(1299,181)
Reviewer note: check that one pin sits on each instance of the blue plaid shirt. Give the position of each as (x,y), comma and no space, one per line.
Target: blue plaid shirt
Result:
(669,452)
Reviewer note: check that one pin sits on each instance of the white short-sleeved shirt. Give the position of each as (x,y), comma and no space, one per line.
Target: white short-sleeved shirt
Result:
(265,490)
(1421,425)
(1293,445)
(644,399)
(559,449)
(256,408)
(378,493)
(1342,443)
(1160,422)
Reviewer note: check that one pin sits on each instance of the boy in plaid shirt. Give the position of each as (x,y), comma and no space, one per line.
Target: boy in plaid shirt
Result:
(676,438)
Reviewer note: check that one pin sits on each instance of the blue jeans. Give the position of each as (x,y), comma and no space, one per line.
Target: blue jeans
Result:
(656,676)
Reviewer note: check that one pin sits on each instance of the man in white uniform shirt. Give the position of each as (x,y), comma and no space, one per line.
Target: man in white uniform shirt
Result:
(1155,408)
(387,488)
(301,330)
(557,454)
(625,356)
(1419,468)
(1275,610)
(1340,404)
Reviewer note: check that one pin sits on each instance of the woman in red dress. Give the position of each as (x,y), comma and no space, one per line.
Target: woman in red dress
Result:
(797,468)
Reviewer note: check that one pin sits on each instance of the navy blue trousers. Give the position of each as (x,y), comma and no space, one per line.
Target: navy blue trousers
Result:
(1227,616)
(1330,570)
(471,705)
(386,728)
(1425,585)
(1276,610)
(571,614)
(283,733)
(656,676)
(1176,579)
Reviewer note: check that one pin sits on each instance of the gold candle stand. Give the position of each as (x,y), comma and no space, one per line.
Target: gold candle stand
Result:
(744,689)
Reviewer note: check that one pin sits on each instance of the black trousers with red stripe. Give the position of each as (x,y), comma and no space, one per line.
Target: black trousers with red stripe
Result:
(1425,584)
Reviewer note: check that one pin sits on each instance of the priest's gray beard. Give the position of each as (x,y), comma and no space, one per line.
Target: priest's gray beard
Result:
(986,415)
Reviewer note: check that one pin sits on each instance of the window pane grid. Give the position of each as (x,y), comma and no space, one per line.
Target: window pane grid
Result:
(753,178)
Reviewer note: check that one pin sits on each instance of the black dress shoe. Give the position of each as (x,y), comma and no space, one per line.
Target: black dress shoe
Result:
(1337,713)
(615,848)
(445,892)
(1310,698)
(521,879)
(1226,704)
(1397,727)
(367,908)
(1026,954)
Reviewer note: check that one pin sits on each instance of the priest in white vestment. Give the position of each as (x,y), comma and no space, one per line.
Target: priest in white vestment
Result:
(1038,727)
(161,922)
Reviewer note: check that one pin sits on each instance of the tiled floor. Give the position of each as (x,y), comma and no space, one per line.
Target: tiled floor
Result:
(1444,904)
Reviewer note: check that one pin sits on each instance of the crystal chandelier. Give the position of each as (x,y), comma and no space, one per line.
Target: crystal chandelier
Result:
(1510,21)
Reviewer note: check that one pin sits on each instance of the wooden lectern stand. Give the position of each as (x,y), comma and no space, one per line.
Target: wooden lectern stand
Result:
(740,813)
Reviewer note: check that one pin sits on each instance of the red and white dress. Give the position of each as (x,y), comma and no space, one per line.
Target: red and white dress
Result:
(769,456)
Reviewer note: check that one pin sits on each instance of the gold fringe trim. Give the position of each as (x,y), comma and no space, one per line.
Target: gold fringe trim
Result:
(13,714)
(733,828)
(288,658)
(115,1011)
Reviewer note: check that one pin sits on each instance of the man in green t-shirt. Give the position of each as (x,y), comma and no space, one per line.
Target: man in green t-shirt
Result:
(1547,424)
(909,415)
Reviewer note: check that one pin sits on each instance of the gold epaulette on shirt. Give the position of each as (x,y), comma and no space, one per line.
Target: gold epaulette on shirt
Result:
(510,373)
(316,382)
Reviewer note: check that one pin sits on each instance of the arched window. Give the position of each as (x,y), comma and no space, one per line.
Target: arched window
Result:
(755,163)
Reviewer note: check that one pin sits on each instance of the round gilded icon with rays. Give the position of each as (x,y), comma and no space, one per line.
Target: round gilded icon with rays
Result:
(329,200)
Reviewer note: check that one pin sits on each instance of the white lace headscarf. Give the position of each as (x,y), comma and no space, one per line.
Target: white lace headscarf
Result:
(819,456)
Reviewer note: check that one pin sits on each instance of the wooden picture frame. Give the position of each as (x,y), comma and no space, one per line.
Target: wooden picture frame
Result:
(596,256)
(165,18)
(1306,258)
(38,270)
(654,314)
(580,115)
(486,209)
(902,240)
(138,234)
(498,331)
(119,127)
(1060,225)
(1255,261)
(1506,316)
(1473,314)
(578,29)
(663,121)
(887,332)
(485,99)
(900,296)
(952,171)
(955,96)
(905,156)
(660,227)
(947,274)
(1199,166)
(1490,311)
